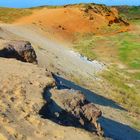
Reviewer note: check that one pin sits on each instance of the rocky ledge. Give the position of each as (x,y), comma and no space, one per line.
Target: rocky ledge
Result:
(20,50)
(69,107)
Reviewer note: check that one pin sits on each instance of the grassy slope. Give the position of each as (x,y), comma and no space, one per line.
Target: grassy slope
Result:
(8,15)
(125,87)
(130,52)
(127,44)
(123,83)
(130,13)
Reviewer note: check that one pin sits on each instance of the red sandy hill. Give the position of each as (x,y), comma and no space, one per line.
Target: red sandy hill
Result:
(69,20)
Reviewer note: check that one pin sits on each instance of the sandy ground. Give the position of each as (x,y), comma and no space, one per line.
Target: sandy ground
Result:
(21,99)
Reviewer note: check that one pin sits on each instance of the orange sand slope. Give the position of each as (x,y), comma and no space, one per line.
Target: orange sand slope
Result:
(68,21)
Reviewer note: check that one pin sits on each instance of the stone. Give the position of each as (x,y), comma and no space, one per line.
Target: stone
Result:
(72,108)
(20,50)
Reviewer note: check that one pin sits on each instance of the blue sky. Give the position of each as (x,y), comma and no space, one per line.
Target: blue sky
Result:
(31,3)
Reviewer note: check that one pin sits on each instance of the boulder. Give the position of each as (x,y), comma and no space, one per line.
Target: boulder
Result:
(70,107)
(20,50)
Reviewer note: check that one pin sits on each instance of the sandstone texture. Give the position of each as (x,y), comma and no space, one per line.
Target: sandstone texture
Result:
(21,89)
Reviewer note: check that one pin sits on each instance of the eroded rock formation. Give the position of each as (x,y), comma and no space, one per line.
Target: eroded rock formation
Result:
(70,107)
(20,50)
(111,14)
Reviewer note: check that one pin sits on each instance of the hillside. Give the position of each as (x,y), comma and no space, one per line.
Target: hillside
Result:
(66,22)
(85,80)
(129,12)
(121,52)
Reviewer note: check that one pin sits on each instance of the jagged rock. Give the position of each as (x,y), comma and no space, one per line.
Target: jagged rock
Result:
(21,50)
(111,14)
(70,107)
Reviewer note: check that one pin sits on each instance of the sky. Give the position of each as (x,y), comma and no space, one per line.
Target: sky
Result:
(32,3)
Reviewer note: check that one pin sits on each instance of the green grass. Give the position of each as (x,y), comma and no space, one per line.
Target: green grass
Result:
(135,122)
(124,85)
(135,22)
(136,75)
(130,53)
(9,15)
(127,45)
(129,12)
(85,46)
(121,91)
(109,29)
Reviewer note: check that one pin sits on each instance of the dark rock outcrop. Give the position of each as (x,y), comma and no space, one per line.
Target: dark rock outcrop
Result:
(69,107)
(20,50)
(110,13)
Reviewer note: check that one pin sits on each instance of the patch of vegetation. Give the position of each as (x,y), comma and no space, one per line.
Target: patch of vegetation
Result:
(130,53)
(123,89)
(85,45)
(109,29)
(126,44)
(136,75)
(9,15)
(136,123)
(129,12)
(124,85)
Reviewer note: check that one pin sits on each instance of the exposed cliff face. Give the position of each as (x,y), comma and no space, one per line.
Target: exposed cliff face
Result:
(111,15)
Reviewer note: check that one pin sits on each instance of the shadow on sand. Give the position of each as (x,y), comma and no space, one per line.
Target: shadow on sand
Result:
(91,96)
(52,111)
(118,131)
(10,53)
(112,129)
